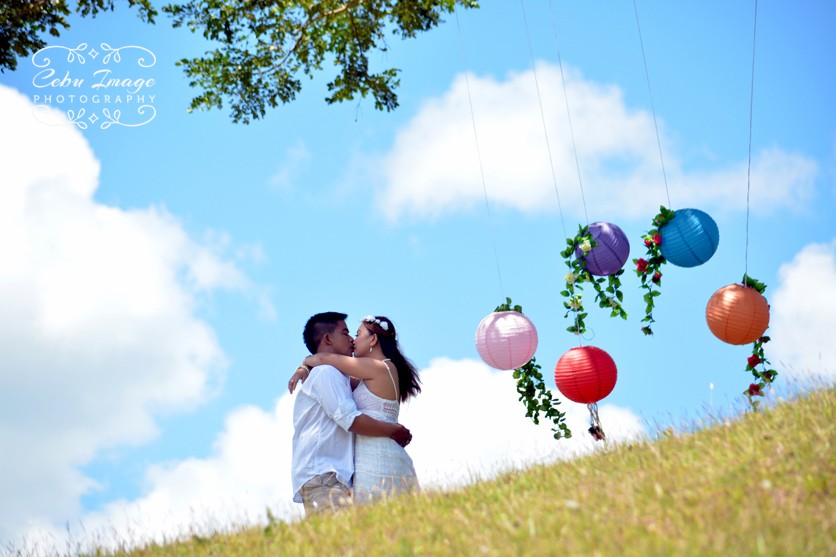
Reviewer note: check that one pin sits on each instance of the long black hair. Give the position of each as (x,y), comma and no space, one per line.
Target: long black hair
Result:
(410,384)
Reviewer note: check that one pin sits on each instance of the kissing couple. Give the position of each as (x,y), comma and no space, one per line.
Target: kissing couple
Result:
(345,417)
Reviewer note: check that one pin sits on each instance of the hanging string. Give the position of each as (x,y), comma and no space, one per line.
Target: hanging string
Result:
(548,147)
(479,156)
(543,118)
(749,167)
(595,428)
(652,106)
(568,112)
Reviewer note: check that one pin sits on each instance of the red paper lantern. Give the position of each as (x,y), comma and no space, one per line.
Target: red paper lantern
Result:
(737,314)
(506,339)
(585,374)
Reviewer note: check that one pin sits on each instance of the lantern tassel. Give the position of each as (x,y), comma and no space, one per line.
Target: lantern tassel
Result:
(595,430)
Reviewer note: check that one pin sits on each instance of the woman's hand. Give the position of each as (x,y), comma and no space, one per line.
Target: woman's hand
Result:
(301,374)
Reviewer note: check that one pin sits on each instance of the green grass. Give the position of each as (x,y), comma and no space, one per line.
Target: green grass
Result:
(760,485)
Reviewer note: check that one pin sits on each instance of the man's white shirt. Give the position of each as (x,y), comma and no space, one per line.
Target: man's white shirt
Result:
(323,412)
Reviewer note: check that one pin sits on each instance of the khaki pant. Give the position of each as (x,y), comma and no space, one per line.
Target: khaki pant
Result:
(325,493)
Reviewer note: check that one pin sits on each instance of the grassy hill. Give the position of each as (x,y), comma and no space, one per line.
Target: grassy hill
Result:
(761,485)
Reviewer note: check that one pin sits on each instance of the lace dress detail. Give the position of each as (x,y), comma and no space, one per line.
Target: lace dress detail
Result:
(376,407)
(381,466)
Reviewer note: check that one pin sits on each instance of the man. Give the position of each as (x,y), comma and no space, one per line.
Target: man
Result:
(325,419)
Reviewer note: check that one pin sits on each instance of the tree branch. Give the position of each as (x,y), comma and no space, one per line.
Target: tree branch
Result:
(344,7)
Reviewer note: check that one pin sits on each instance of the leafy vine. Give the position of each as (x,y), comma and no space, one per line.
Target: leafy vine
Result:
(764,377)
(609,297)
(648,267)
(533,392)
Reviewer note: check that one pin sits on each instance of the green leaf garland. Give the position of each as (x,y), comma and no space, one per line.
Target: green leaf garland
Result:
(648,268)
(764,377)
(533,392)
(609,297)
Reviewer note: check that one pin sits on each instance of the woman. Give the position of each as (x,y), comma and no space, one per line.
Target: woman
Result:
(381,378)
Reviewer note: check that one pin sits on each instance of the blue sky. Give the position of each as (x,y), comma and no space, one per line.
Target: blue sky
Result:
(157,278)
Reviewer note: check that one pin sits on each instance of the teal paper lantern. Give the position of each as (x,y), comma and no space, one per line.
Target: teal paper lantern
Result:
(690,238)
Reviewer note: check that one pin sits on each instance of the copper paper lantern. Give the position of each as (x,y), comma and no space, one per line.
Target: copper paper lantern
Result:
(737,314)
(585,374)
(506,339)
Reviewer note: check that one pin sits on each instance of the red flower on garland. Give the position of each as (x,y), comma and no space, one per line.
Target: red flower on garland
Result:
(764,377)
(647,268)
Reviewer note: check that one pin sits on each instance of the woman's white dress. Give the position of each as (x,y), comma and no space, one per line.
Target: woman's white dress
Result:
(381,466)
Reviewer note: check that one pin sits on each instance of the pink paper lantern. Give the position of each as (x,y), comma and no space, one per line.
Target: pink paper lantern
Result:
(506,339)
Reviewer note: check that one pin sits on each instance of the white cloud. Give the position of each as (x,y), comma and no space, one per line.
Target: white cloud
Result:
(779,180)
(433,169)
(803,316)
(98,333)
(297,160)
(248,472)
(250,466)
(485,430)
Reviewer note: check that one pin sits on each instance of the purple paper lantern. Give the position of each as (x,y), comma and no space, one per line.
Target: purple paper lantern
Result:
(611,253)
(506,339)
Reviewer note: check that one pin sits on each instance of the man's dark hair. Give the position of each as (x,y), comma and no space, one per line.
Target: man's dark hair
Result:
(318,326)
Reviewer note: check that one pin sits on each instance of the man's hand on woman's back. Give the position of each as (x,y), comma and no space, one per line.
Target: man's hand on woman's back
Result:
(401,435)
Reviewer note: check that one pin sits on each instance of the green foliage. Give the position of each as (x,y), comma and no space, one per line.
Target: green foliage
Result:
(533,392)
(508,307)
(265,47)
(609,298)
(648,268)
(764,377)
(272,523)
(718,492)
(23,23)
(754,283)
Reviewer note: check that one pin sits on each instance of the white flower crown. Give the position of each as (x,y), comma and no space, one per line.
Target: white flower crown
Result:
(372,319)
